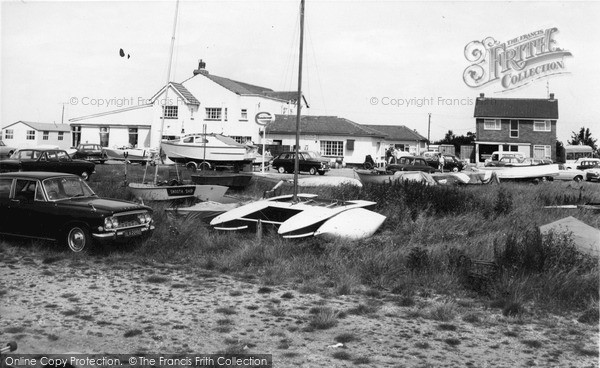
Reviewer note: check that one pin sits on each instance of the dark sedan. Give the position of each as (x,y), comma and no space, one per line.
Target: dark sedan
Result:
(91,152)
(32,159)
(308,161)
(410,163)
(63,208)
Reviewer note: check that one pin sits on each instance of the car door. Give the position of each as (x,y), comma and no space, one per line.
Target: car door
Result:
(6,219)
(22,209)
(303,162)
(290,162)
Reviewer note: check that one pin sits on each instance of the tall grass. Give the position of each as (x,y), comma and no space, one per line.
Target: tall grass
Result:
(428,228)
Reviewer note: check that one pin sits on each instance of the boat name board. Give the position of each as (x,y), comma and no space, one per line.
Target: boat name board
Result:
(180,191)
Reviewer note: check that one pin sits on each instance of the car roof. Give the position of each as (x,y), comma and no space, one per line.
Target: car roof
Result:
(37,175)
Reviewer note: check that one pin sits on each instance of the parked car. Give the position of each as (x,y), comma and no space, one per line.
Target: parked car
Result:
(6,151)
(34,159)
(91,152)
(451,162)
(579,161)
(63,208)
(308,161)
(588,164)
(593,174)
(498,155)
(565,173)
(410,163)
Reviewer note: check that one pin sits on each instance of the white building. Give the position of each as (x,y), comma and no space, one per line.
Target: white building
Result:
(225,106)
(119,128)
(26,134)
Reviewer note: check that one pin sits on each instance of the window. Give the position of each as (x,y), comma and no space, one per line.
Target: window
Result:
(30,135)
(104,132)
(541,126)
(332,148)
(214,113)
(60,136)
(350,144)
(8,134)
(242,140)
(244,115)
(5,187)
(170,112)
(491,124)
(542,151)
(133,137)
(45,135)
(514,129)
(76,135)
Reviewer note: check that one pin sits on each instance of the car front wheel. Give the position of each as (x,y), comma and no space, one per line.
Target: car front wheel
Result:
(85,176)
(322,172)
(281,170)
(78,238)
(578,178)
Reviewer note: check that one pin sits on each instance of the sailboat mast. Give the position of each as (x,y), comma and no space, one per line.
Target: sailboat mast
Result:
(164,105)
(298,104)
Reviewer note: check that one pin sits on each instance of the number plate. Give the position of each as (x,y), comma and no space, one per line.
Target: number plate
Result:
(132,232)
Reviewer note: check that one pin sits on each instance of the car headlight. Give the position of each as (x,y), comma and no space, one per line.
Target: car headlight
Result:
(144,218)
(111,223)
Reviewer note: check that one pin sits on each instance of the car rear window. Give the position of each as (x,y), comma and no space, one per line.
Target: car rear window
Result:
(5,187)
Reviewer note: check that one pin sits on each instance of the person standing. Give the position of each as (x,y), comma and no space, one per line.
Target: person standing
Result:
(441,162)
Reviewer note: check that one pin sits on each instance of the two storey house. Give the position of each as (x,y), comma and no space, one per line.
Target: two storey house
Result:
(525,125)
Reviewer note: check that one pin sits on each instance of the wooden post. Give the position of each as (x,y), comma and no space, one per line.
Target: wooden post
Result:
(259,230)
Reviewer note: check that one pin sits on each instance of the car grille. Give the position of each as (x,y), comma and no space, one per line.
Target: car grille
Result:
(128,219)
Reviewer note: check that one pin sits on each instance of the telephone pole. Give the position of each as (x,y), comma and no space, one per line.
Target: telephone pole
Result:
(428,128)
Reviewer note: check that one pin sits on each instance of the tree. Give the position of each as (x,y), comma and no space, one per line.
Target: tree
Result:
(583,137)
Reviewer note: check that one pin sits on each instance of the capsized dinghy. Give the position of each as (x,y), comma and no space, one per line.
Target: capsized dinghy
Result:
(309,216)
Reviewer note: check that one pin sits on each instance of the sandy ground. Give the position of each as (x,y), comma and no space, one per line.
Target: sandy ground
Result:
(96,304)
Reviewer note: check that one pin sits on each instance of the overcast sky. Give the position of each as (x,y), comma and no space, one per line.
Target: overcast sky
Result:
(361,57)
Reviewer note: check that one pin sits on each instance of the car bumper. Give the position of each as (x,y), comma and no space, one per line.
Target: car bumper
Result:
(123,234)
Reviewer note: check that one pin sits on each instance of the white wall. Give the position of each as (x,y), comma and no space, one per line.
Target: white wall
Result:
(212,95)
(20,133)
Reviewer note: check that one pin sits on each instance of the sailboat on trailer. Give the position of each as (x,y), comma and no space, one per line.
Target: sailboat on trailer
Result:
(303,215)
(156,192)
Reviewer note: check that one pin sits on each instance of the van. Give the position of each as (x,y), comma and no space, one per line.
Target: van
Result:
(498,155)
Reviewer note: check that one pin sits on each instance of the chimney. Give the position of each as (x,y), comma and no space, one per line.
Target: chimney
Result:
(201,70)
(552,97)
(482,95)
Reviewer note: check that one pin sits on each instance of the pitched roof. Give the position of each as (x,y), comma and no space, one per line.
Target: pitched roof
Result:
(187,95)
(246,89)
(183,92)
(486,107)
(239,88)
(324,125)
(50,127)
(398,132)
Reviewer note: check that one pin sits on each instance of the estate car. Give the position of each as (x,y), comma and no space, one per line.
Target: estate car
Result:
(308,161)
(411,163)
(63,208)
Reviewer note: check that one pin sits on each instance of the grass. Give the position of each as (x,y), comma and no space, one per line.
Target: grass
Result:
(414,255)
(323,318)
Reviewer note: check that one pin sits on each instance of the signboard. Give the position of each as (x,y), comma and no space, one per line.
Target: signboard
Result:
(264,118)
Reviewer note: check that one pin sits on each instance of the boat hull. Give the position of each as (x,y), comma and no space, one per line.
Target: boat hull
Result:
(298,219)
(151,192)
(213,148)
(525,172)
(231,180)
(132,155)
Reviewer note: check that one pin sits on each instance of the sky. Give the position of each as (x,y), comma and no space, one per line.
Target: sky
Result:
(372,62)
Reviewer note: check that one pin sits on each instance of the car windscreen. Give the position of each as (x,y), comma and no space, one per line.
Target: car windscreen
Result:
(66,187)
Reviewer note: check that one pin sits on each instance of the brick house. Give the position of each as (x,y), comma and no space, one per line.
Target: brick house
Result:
(526,125)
